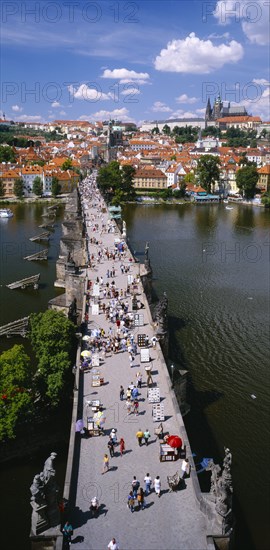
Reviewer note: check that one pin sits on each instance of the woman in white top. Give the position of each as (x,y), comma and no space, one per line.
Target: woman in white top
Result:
(157,485)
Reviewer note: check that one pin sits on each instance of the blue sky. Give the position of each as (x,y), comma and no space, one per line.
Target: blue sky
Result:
(142,60)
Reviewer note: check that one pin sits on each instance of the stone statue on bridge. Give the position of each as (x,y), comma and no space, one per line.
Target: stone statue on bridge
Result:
(37,489)
(48,470)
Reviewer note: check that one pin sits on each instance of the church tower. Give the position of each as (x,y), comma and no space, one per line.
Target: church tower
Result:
(208,111)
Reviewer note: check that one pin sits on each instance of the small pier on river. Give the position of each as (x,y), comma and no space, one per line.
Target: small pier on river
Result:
(15,328)
(44,236)
(38,256)
(24,283)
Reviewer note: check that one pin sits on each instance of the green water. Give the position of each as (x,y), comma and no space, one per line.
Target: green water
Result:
(214,265)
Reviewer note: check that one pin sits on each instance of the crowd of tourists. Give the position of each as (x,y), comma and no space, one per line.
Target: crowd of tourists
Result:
(114,334)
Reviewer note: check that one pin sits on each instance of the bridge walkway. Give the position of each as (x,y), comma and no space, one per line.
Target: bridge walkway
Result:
(172,522)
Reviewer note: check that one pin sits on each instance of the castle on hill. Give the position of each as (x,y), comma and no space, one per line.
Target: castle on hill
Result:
(219,110)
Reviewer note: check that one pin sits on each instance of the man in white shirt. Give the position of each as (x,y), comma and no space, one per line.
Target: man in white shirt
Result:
(113,545)
(185,468)
(147,484)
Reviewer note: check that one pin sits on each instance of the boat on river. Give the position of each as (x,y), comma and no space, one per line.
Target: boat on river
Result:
(6,213)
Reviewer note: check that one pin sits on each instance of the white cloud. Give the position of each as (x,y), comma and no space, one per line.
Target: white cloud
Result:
(254,17)
(260,106)
(88,94)
(16,108)
(160,107)
(62,113)
(261,81)
(200,112)
(180,113)
(185,99)
(136,82)
(56,104)
(30,118)
(126,76)
(121,114)
(130,90)
(215,36)
(193,55)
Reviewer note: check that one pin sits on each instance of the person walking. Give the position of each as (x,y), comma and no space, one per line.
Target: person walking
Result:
(157,485)
(106,464)
(128,406)
(146,436)
(185,468)
(122,447)
(140,499)
(113,545)
(110,446)
(113,436)
(131,501)
(139,436)
(147,484)
(121,393)
(67,532)
(139,379)
(136,407)
(134,393)
(135,486)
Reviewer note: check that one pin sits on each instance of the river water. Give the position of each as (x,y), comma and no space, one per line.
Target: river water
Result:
(16,478)
(213,263)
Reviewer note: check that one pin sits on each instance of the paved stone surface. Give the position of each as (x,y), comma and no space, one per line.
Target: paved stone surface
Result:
(172,522)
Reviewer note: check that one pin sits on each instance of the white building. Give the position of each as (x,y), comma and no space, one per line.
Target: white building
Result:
(148,126)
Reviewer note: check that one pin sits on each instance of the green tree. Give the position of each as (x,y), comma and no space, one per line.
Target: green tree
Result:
(2,190)
(7,154)
(155,130)
(109,178)
(16,399)
(52,337)
(266,199)
(182,187)
(190,178)
(128,173)
(37,163)
(208,171)
(67,164)
(166,130)
(56,186)
(246,180)
(18,188)
(37,186)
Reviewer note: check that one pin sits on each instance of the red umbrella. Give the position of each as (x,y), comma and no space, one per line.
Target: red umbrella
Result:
(174,441)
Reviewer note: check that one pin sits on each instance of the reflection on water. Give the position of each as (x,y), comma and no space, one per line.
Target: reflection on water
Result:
(214,265)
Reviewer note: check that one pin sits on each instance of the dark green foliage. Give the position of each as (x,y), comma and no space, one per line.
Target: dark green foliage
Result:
(246,179)
(115,183)
(67,164)
(166,130)
(7,154)
(16,398)
(52,337)
(37,186)
(266,199)
(18,188)
(56,187)
(2,191)
(208,171)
